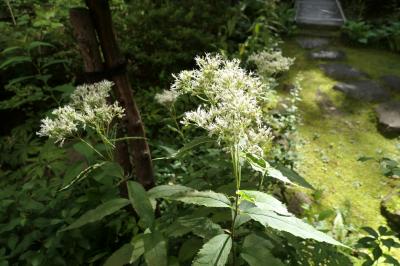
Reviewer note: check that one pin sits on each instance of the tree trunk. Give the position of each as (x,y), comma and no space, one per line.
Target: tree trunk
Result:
(115,63)
(85,34)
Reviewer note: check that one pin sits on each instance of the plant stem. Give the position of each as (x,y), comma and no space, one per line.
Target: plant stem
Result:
(11,12)
(237,173)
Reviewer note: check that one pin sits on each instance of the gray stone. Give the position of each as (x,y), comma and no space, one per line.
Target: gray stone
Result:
(389,117)
(327,55)
(340,71)
(312,42)
(367,90)
(392,82)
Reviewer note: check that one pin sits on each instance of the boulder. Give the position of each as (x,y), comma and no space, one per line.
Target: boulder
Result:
(389,117)
(392,82)
(327,55)
(312,42)
(340,71)
(364,90)
(390,209)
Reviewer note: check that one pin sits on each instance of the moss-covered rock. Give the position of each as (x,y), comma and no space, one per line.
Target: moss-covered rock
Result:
(390,209)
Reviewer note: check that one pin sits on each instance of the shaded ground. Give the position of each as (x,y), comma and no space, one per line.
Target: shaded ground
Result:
(336,131)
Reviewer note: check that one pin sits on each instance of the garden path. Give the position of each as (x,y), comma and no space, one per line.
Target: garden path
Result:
(350,109)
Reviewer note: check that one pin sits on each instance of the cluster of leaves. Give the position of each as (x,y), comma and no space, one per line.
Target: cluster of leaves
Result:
(385,35)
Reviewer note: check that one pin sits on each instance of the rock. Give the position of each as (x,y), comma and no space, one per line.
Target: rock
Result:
(389,117)
(327,55)
(366,90)
(392,82)
(295,202)
(390,209)
(342,71)
(312,42)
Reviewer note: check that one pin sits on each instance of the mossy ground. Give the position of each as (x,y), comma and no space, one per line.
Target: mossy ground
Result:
(332,141)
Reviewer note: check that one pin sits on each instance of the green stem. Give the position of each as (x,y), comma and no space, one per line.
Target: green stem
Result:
(93,148)
(238,176)
(126,138)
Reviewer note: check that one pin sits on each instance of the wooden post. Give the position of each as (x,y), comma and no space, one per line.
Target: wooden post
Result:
(115,63)
(85,35)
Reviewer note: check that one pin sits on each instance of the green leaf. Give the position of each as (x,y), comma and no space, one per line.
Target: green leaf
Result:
(189,146)
(204,198)
(138,248)
(121,256)
(189,195)
(15,60)
(266,202)
(256,251)
(36,44)
(215,252)
(155,249)
(270,212)
(141,203)
(98,213)
(294,176)
(391,260)
(371,231)
(364,158)
(272,172)
(166,191)
(199,226)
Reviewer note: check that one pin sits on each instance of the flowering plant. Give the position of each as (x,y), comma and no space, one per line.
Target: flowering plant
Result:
(270,62)
(88,109)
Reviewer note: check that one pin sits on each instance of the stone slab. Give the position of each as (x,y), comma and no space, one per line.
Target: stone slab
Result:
(389,116)
(327,55)
(364,90)
(312,42)
(392,81)
(340,71)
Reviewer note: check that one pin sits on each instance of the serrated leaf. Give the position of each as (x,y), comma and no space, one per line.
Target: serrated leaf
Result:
(138,248)
(256,251)
(215,252)
(266,202)
(98,213)
(290,224)
(166,191)
(204,198)
(121,256)
(294,176)
(155,249)
(201,226)
(141,203)
(272,172)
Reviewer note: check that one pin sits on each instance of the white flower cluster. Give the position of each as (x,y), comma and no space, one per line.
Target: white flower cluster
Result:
(88,108)
(232,102)
(167,97)
(270,62)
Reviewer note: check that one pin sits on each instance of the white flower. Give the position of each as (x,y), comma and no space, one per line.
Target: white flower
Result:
(167,97)
(270,62)
(232,102)
(88,108)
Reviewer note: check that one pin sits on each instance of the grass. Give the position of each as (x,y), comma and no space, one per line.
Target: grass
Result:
(332,141)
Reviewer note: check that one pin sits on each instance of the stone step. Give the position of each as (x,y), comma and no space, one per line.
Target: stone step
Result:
(389,117)
(340,71)
(364,90)
(327,55)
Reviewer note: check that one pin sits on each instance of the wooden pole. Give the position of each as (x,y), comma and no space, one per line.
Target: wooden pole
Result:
(115,63)
(85,35)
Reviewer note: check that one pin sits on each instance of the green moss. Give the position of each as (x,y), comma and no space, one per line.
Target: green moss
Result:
(393,203)
(334,140)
